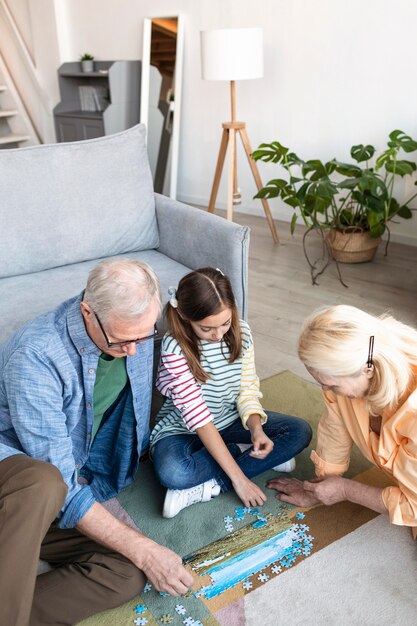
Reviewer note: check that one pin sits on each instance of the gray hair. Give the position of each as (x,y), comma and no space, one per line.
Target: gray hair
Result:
(122,287)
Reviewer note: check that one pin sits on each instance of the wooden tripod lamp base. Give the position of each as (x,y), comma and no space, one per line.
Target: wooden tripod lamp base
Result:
(228,143)
(234,54)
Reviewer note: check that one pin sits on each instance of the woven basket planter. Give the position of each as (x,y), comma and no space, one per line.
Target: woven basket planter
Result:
(352,247)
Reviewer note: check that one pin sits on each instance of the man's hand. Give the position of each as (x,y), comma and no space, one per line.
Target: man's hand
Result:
(249,492)
(165,570)
(163,567)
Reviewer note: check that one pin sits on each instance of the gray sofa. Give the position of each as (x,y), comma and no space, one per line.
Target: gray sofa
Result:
(66,206)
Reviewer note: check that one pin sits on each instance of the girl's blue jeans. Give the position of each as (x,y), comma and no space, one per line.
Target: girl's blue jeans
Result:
(181,461)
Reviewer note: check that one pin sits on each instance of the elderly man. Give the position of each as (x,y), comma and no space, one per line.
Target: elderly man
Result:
(75,393)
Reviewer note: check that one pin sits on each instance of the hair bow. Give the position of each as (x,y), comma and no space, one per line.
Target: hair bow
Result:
(173,297)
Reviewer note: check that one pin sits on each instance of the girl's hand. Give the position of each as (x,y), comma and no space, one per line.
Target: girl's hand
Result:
(262,444)
(309,492)
(248,492)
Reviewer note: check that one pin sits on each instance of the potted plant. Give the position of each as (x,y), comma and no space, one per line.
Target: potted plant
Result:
(348,204)
(87,62)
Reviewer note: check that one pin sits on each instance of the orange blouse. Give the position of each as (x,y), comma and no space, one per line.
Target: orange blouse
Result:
(346,421)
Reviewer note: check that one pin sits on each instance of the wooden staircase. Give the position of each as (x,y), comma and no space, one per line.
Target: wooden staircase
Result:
(16,127)
(10,137)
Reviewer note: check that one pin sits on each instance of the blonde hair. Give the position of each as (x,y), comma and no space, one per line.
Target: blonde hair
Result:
(122,287)
(334,341)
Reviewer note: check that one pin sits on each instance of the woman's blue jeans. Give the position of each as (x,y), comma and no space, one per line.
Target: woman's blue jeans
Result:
(181,461)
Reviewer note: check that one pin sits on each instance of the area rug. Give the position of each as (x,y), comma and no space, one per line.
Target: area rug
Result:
(285,536)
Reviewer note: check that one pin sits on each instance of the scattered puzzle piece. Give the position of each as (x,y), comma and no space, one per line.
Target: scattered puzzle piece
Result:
(140,608)
(258,524)
(276,569)
(140,621)
(188,621)
(147,587)
(247,585)
(300,515)
(166,618)
(180,609)
(263,578)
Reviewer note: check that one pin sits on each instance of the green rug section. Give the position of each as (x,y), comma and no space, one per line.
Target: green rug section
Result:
(201,524)
(290,394)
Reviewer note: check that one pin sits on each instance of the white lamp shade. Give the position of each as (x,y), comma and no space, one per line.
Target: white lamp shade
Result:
(231,54)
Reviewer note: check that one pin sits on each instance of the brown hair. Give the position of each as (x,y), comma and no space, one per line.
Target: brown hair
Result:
(202,293)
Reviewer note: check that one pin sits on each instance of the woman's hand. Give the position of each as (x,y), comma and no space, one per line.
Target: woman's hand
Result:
(292,490)
(249,492)
(262,444)
(309,492)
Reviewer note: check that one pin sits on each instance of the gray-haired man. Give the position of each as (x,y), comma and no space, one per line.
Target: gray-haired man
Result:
(75,394)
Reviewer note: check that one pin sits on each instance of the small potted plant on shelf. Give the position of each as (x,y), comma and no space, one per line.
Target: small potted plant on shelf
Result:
(87,62)
(348,204)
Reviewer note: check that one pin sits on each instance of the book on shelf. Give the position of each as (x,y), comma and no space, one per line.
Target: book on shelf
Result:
(93,98)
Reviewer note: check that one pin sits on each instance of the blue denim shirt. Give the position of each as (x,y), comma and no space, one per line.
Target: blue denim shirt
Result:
(47,375)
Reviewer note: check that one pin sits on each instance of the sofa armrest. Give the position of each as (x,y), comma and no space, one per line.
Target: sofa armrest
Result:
(196,239)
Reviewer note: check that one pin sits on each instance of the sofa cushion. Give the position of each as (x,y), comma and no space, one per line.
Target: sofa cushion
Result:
(24,297)
(70,202)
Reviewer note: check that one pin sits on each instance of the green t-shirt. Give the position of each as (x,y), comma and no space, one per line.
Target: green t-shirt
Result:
(111,378)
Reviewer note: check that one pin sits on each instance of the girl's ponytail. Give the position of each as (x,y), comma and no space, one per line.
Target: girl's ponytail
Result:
(183,333)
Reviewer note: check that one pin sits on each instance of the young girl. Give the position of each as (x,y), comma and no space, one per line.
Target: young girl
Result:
(212,434)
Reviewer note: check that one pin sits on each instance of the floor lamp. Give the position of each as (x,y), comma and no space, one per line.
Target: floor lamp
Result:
(234,54)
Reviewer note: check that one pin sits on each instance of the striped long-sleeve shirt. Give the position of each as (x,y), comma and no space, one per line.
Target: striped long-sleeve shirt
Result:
(232,389)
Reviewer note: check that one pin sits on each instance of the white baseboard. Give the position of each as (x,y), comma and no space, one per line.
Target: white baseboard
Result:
(284,215)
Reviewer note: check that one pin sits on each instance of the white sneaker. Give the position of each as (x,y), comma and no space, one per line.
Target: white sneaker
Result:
(286,467)
(178,499)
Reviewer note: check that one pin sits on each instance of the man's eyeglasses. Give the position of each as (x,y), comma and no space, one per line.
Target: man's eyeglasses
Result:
(120,344)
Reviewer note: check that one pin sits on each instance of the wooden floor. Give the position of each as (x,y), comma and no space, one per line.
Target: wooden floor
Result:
(281,294)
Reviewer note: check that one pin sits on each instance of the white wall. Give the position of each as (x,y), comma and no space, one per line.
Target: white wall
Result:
(336,73)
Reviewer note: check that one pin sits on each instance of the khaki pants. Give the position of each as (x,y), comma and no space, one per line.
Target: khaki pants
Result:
(87,577)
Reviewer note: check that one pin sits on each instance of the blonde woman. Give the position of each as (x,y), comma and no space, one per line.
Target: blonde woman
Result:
(367,368)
